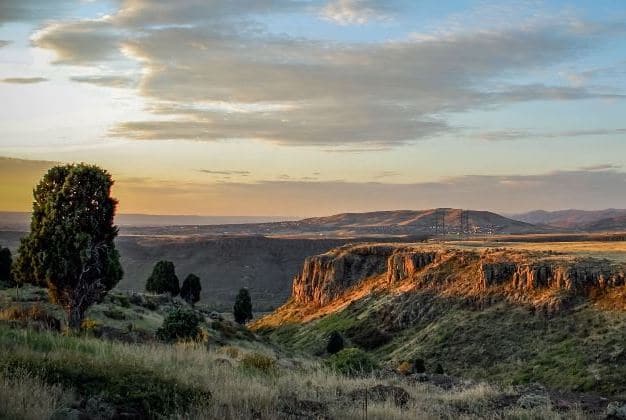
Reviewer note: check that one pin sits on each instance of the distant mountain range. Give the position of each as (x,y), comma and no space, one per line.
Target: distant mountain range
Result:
(581,220)
(370,224)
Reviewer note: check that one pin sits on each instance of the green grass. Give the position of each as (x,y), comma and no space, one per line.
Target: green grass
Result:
(582,349)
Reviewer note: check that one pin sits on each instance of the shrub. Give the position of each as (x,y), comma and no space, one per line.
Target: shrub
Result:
(405,368)
(419,366)
(34,314)
(352,362)
(368,338)
(232,352)
(179,324)
(258,362)
(114,314)
(439,369)
(91,326)
(335,343)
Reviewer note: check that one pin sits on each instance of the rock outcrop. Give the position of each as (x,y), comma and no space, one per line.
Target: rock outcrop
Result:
(518,275)
(324,277)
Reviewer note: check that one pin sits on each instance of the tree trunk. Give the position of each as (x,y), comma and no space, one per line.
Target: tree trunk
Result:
(74,318)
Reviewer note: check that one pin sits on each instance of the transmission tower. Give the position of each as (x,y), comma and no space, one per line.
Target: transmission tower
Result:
(440,222)
(465,225)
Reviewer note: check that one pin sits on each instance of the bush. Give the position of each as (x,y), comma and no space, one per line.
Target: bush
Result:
(179,324)
(352,362)
(114,314)
(405,368)
(419,366)
(439,369)
(258,362)
(34,314)
(91,326)
(368,338)
(335,343)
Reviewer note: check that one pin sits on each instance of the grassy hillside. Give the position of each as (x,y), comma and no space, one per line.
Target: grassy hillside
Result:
(227,374)
(583,349)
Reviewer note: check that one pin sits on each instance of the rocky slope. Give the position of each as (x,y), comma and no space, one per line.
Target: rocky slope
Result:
(499,314)
(537,278)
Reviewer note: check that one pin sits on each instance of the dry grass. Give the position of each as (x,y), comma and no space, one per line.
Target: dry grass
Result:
(237,392)
(24,396)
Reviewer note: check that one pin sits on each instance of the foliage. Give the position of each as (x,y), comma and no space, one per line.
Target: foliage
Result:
(70,247)
(243,307)
(439,369)
(29,315)
(6,263)
(335,343)
(405,368)
(191,288)
(419,366)
(163,279)
(179,324)
(352,362)
(258,362)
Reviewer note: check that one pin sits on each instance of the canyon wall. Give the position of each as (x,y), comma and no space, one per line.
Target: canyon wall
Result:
(518,275)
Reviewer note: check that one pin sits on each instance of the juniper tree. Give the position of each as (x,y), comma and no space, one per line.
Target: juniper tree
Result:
(243,307)
(191,288)
(6,262)
(70,247)
(163,279)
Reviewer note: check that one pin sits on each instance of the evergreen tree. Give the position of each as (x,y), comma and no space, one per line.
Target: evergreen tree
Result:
(6,263)
(191,288)
(163,279)
(439,369)
(70,246)
(243,307)
(335,343)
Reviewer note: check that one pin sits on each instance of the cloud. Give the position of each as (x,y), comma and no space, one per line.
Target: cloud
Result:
(505,135)
(588,189)
(108,81)
(600,167)
(242,173)
(598,186)
(33,10)
(24,80)
(352,97)
(80,42)
(356,12)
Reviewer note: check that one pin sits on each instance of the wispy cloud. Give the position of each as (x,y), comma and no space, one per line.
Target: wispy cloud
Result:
(211,172)
(601,167)
(108,81)
(24,80)
(505,135)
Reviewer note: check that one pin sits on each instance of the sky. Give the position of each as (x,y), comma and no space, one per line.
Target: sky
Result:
(302,108)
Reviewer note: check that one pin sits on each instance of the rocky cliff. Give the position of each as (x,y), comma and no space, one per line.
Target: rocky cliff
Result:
(538,278)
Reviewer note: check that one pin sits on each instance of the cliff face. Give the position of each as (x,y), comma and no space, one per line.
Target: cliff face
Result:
(519,276)
(324,277)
